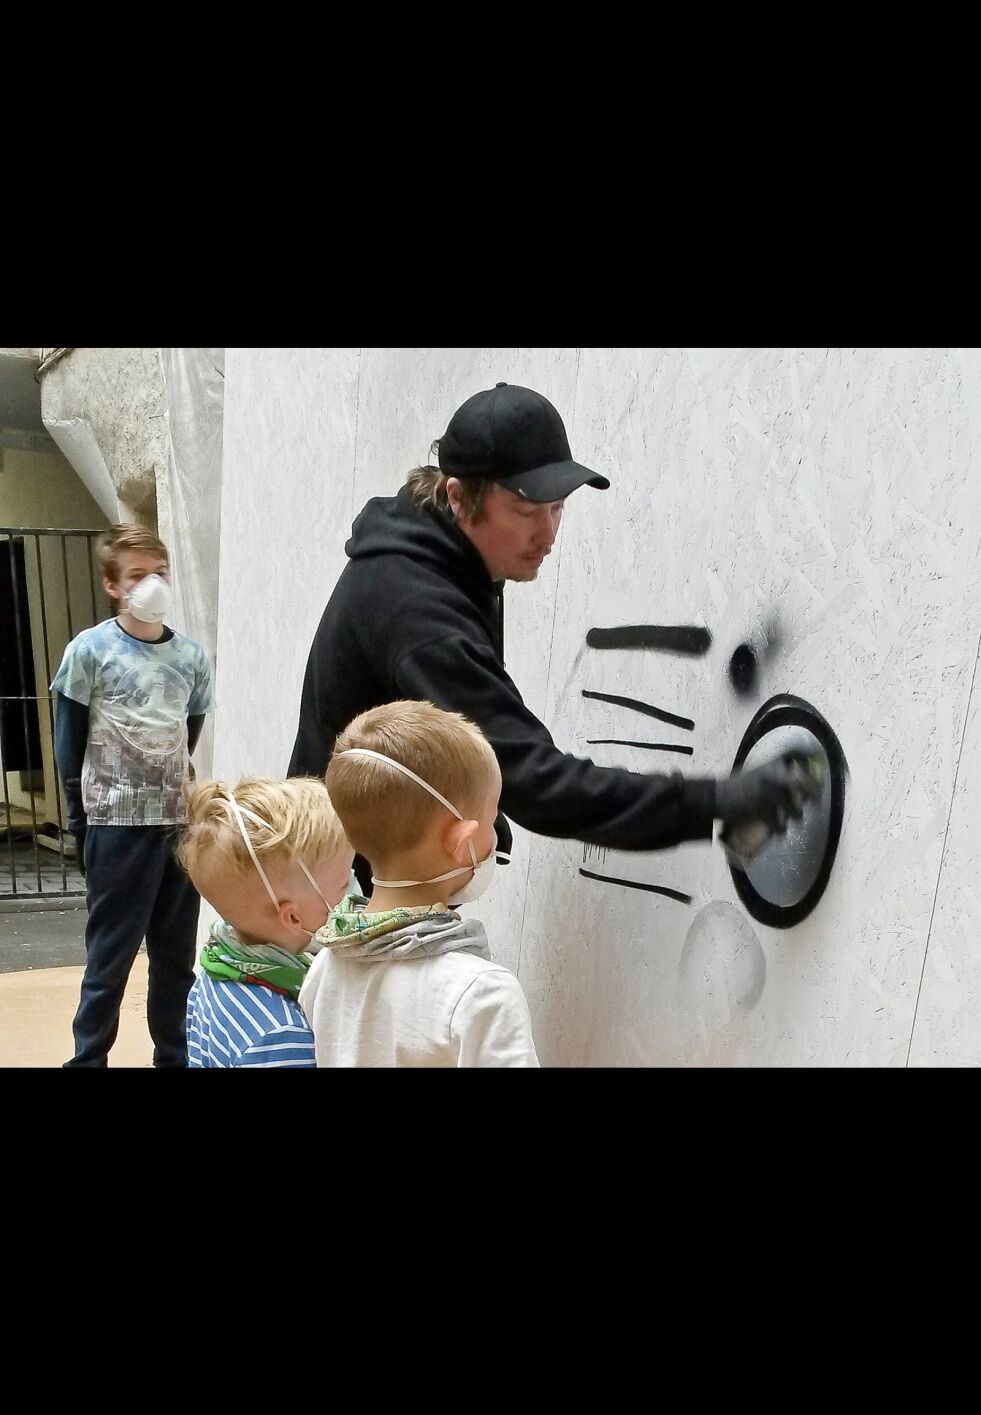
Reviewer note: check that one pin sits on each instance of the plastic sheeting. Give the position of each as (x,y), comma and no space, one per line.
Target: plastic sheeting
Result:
(75,438)
(194,380)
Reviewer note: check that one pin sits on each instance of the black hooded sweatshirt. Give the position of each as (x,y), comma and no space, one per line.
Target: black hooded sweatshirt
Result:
(415,614)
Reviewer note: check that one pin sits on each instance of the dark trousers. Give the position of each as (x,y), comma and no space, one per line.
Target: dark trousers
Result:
(135,889)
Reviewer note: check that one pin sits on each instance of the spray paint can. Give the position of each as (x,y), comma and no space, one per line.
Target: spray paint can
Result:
(744,841)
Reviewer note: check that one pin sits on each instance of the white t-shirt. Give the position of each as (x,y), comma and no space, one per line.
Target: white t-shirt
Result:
(454,1009)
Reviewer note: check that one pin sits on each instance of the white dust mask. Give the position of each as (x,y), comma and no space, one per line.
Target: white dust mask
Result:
(483,874)
(241,811)
(483,870)
(150,600)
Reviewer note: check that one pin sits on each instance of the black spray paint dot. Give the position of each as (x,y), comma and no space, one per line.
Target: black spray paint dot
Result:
(742,670)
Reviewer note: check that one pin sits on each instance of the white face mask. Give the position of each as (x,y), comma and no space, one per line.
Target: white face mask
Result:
(150,600)
(483,875)
(483,870)
(241,811)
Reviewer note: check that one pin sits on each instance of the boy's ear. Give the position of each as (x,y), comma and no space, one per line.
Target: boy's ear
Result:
(289,917)
(456,838)
(111,588)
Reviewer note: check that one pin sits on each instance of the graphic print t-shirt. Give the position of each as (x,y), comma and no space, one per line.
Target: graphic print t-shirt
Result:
(139,697)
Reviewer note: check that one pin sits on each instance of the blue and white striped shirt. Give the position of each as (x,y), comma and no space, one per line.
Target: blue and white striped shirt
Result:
(241,1024)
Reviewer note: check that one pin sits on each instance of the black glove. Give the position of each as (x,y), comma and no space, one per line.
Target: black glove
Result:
(771,793)
(79,835)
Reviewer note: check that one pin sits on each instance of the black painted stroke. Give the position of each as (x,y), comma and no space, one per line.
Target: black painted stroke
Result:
(645,708)
(671,638)
(636,884)
(650,746)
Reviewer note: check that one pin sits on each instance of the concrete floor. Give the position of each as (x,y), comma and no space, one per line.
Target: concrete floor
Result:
(41,958)
(49,938)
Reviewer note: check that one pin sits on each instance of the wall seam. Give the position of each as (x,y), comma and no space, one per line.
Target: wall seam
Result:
(943,852)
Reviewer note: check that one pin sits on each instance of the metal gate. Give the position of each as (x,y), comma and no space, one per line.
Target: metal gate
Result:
(50,589)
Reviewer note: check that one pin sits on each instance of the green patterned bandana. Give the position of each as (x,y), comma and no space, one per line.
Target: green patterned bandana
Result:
(392,934)
(349,922)
(265,964)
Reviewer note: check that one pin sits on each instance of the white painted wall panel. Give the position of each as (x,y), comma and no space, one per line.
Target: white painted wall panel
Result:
(832,488)
(286,508)
(948,1017)
(829,491)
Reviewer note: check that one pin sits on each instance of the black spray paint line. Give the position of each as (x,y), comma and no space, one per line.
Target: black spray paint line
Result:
(636,884)
(671,638)
(645,708)
(649,746)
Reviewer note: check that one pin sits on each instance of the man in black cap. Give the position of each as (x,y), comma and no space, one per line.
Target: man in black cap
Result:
(418,612)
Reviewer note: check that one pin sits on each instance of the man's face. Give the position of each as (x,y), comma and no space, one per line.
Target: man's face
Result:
(131,567)
(512,534)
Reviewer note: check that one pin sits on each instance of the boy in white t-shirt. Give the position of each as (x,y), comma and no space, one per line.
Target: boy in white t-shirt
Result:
(403,979)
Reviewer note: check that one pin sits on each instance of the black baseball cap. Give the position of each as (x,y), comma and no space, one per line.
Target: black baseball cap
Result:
(514,436)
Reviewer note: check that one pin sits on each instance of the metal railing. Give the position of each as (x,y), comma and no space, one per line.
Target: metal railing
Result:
(40,613)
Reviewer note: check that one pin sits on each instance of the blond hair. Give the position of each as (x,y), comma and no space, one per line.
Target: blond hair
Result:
(301,824)
(383,811)
(117,540)
(427,487)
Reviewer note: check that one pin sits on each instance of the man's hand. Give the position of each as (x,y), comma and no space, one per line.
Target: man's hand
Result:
(771,793)
(79,835)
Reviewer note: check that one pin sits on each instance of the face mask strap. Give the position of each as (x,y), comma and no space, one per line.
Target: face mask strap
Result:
(390,761)
(364,752)
(243,810)
(405,883)
(315,884)
(238,810)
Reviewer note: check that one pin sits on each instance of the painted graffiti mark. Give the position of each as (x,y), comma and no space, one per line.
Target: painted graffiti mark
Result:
(670,638)
(751,656)
(646,708)
(636,884)
(743,670)
(648,746)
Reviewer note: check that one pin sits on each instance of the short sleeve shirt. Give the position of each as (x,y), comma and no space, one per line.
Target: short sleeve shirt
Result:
(139,697)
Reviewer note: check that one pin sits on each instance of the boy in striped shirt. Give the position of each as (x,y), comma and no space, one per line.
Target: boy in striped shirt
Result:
(272,859)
